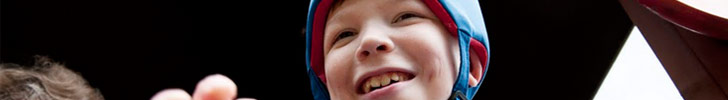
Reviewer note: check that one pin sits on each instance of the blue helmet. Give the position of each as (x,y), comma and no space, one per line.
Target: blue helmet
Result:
(462,18)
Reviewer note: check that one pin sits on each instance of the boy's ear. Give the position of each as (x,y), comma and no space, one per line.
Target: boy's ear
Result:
(476,69)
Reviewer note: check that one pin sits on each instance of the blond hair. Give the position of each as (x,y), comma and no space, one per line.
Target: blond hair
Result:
(45,80)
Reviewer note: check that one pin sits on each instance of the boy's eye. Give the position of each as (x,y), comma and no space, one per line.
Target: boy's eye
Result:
(343,35)
(405,16)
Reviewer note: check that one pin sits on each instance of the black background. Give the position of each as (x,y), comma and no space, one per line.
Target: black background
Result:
(131,49)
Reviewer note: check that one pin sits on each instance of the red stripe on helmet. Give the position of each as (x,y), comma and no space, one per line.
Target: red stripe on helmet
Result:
(443,15)
(319,22)
(480,51)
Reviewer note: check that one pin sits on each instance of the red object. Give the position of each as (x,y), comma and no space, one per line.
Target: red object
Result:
(690,44)
(689,18)
(317,55)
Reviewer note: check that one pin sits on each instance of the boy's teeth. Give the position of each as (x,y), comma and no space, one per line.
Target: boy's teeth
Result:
(395,76)
(403,77)
(383,80)
(374,81)
(366,88)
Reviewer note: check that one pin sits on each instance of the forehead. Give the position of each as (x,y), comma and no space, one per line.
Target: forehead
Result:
(359,8)
(348,4)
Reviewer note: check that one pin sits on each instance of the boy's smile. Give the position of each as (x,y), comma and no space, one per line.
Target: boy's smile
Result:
(382,79)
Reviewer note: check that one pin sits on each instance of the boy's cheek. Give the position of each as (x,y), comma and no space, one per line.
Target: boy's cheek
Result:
(338,69)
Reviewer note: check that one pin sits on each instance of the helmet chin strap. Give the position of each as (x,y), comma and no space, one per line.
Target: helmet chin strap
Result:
(457,95)
(460,88)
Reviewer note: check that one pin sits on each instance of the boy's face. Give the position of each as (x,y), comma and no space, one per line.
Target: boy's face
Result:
(388,49)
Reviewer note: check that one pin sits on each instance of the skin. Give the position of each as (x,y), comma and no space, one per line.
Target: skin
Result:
(365,36)
(213,87)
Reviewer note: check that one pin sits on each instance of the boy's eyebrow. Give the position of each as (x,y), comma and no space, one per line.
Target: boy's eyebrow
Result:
(336,4)
(336,12)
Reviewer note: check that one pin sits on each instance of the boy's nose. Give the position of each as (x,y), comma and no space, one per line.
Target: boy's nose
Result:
(371,46)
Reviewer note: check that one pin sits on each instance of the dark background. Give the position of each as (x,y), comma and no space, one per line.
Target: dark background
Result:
(131,49)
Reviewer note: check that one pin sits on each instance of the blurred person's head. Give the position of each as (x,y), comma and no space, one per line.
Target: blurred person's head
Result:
(45,80)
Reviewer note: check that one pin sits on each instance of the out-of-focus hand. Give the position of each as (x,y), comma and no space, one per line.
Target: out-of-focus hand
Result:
(213,87)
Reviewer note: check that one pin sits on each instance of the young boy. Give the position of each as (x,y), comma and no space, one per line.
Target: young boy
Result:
(385,49)
(396,49)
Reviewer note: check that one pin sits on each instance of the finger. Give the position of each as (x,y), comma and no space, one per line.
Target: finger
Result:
(172,94)
(215,87)
(245,99)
